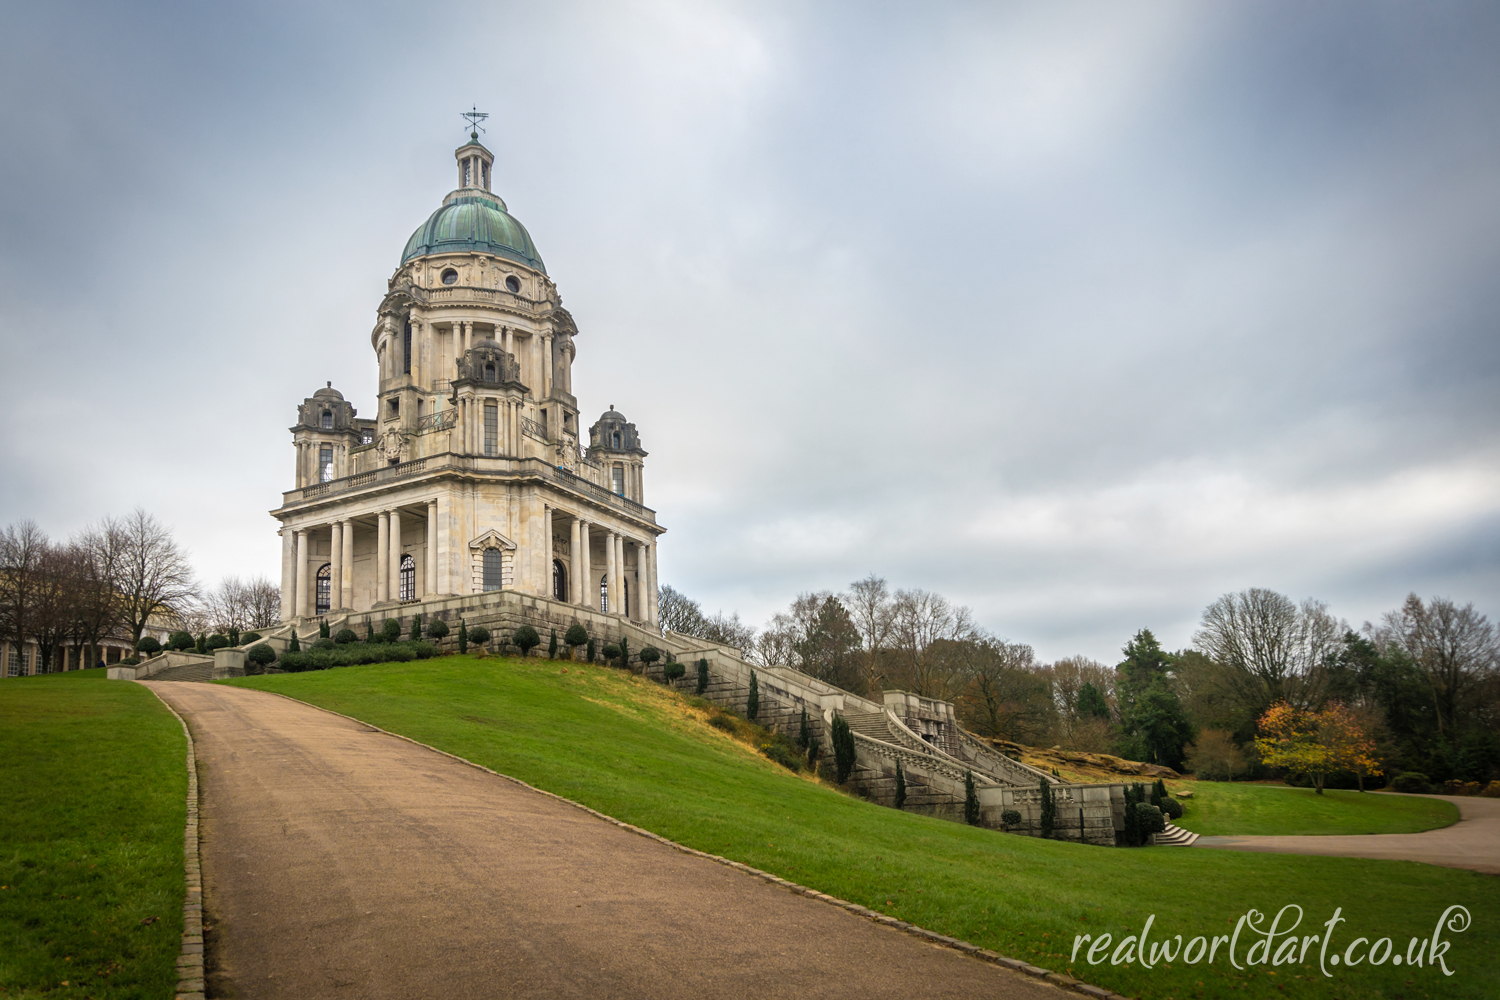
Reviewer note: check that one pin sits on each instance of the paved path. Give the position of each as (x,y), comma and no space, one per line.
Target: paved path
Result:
(1473,842)
(343,862)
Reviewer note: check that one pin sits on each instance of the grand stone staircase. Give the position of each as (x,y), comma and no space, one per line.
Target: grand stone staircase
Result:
(202,672)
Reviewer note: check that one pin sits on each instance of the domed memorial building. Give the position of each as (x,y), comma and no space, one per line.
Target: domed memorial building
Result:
(469,478)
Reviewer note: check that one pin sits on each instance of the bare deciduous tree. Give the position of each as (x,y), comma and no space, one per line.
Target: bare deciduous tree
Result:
(98,611)
(1456,648)
(1272,646)
(242,605)
(680,613)
(23,548)
(155,577)
(922,618)
(1003,695)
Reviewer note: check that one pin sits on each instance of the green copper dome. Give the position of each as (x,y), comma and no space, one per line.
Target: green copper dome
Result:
(473,220)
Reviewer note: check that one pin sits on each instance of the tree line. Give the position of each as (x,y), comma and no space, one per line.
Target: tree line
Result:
(112,581)
(1423,684)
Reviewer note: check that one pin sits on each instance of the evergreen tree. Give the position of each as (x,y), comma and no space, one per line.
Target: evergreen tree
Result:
(416,628)
(624,652)
(1091,702)
(323,632)
(552,645)
(900,786)
(369,631)
(812,754)
(752,706)
(575,636)
(463,636)
(702,676)
(843,749)
(803,735)
(1049,809)
(971,800)
(292,646)
(590,651)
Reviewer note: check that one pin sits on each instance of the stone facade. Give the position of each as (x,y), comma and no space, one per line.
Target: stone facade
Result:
(469,477)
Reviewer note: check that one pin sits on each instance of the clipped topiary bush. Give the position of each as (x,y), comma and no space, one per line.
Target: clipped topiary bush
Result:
(526,639)
(611,652)
(576,636)
(345,636)
(249,637)
(129,661)
(675,670)
(649,655)
(261,655)
(1010,819)
(180,640)
(147,644)
(1412,782)
(702,676)
(1171,807)
(391,630)
(479,635)
(552,645)
(323,628)
(293,645)
(216,641)
(437,629)
(322,643)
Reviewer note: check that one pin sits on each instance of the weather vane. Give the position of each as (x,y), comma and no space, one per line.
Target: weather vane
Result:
(474,118)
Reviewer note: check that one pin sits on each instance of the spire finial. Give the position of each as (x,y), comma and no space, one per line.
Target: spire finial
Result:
(474,117)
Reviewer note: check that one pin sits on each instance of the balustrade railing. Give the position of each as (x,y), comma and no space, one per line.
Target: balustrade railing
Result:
(437,420)
(532,428)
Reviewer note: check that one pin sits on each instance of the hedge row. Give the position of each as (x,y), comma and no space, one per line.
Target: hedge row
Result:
(356,653)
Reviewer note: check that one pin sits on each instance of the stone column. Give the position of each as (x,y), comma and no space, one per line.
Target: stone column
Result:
(288,573)
(546,366)
(346,582)
(335,564)
(575,564)
(547,557)
(620,573)
(589,592)
(395,572)
(611,573)
(642,600)
(382,555)
(654,586)
(447,549)
(429,583)
(301,573)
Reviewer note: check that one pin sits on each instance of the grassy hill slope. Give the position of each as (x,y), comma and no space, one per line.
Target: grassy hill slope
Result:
(639,752)
(1223,809)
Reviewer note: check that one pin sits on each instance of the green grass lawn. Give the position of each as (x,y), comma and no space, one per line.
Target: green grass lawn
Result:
(92,806)
(638,752)
(1225,809)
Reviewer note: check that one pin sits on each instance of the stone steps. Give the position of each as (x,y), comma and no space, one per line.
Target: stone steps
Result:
(200,672)
(1174,836)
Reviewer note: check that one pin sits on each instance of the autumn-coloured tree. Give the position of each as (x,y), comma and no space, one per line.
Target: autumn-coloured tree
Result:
(1315,743)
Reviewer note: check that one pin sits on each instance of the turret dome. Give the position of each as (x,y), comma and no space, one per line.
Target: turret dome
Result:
(473,218)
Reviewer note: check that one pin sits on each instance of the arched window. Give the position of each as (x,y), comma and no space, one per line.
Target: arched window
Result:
(559,581)
(492,566)
(489,373)
(604,593)
(328,420)
(323,599)
(407,591)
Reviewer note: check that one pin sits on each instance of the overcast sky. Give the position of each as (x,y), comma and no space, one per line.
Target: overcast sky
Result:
(1079,314)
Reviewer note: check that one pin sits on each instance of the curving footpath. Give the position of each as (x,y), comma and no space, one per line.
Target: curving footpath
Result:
(339,860)
(1473,842)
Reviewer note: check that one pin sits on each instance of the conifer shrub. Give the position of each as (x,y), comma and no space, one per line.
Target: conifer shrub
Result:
(803,734)
(463,636)
(234,635)
(1412,782)
(812,752)
(900,781)
(182,640)
(293,645)
(702,676)
(552,645)
(674,671)
(1171,807)
(479,635)
(649,655)
(1010,819)
(370,632)
(1049,810)
(624,651)
(147,644)
(971,800)
(391,630)
(345,636)
(437,629)
(752,706)
(416,628)
(525,639)
(323,628)
(201,644)
(611,652)
(843,749)
(590,651)
(576,636)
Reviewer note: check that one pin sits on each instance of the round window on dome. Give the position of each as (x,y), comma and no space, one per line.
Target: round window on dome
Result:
(450,277)
(513,283)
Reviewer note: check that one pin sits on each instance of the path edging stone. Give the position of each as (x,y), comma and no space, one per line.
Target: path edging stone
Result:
(1057,979)
(190,984)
